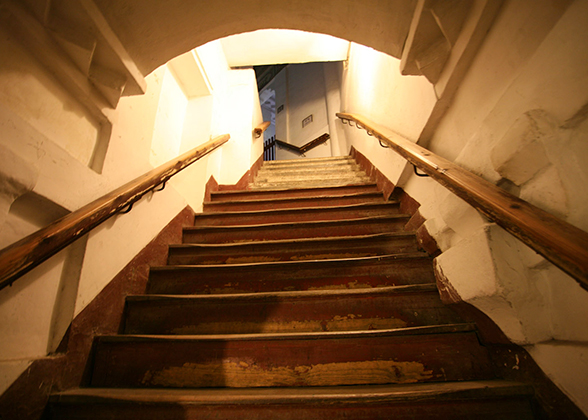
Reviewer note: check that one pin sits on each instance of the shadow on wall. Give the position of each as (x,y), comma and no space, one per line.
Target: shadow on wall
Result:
(35,318)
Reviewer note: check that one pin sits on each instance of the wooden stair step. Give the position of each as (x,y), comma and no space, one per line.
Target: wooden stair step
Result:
(270,312)
(288,203)
(313,176)
(283,193)
(299,297)
(347,273)
(294,249)
(345,169)
(418,354)
(482,400)
(303,214)
(294,183)
(331,160)
(294,230)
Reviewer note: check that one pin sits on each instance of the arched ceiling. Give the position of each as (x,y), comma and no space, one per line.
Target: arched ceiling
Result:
(155,31)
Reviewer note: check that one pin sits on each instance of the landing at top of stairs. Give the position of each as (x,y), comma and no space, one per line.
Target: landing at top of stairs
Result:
(332,171)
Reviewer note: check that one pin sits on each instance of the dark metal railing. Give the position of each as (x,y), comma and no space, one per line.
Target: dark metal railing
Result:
(306,147)
(269,149)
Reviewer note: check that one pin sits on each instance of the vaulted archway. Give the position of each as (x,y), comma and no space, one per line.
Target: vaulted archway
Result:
(154,32)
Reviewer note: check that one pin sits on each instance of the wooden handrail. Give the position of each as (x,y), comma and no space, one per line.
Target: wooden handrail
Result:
(22,256)
(305,148)
(564,245)
(258,131)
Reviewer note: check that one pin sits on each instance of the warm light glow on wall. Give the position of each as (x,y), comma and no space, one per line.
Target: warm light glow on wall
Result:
(365,73)
(277,46)
(375,87)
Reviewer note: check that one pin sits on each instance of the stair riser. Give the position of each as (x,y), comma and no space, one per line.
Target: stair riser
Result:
(334,312)
(292,276)
(289,362)
(209,207)
(333,160)
(293,250)
(303,193)
(301,215)
(313,178)
(341,171)
(504,408)
(277,165)
(296,183)
(219,235)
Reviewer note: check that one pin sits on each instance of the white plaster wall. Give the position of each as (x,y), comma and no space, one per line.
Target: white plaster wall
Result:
(280,85)
(373,87)
(54,112)
(237,110)
(302,90)
(306,96)
(197,127)
(233,109)
(333,73)
(169,122)
(522,103)
(519,29)
(35,312)
(535,102)
(565,360)
(282,46)
(519,115)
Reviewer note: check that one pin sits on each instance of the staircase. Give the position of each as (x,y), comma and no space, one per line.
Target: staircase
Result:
(300,297)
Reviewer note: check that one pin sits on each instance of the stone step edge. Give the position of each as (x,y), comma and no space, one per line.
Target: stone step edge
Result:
(359,206)
(400,256)
(299,294)
(419,392)
(297,224)
(322,335)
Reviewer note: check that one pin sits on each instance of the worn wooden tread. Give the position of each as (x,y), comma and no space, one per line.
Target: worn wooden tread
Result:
(301,294)
(319,179)
(284,264)
(349,169)
(390,236)
(331,273)
(303,248)
(343,166)
(328,178)
(351,211)
(305,224)
(334,182)
(278,190)
(348,394)
(324,335)
(288,311)
(359,206)
(295,229)
(292,199)
(309,161)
